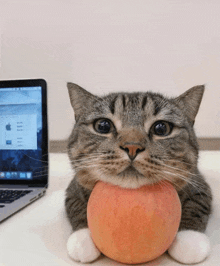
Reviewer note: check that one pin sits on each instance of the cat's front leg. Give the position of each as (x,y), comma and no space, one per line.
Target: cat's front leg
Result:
(80,246)
(191,245)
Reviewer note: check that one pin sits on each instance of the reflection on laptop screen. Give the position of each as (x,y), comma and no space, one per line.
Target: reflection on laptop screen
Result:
(20,133)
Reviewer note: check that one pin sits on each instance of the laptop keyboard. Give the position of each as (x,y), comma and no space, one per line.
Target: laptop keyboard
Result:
(8,196)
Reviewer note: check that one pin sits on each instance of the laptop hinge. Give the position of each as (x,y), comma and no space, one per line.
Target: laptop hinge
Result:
(13,186)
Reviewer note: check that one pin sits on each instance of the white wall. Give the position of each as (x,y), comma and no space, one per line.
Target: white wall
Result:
(117,45)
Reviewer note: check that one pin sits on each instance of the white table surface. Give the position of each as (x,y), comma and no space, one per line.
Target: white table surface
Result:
(37,235)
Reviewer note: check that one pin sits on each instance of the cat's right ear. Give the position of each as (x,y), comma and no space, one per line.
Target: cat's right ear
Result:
(190,101)
(80,99)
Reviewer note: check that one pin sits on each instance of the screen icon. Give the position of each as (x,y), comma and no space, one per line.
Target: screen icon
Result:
(8,175)
(29,175)
(8,142)
(2,175)
(8,127)
(22,175)
(14,175)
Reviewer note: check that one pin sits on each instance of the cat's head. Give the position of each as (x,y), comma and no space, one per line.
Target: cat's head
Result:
(133,139)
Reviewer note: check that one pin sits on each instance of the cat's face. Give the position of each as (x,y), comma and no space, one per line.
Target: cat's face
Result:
(133,139)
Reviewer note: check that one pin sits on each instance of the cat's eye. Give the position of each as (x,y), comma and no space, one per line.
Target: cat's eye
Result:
(162,128)
(103,126)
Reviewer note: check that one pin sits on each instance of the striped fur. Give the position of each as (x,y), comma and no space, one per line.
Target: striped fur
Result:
(96,156)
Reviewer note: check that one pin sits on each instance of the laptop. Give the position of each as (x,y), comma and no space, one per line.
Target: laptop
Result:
(23,144)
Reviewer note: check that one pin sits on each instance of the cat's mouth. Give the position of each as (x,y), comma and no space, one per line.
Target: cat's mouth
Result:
(130,171)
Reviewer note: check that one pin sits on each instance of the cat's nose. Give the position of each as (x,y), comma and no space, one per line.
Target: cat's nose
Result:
(132,150)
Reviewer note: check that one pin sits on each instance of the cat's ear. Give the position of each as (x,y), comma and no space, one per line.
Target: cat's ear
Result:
(190,101)
(80,99)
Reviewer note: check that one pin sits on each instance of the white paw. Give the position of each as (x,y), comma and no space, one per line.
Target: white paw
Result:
(190,247)
(81,248)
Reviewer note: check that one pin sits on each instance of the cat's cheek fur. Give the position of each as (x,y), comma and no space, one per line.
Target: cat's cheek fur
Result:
(81,248)
(190,247)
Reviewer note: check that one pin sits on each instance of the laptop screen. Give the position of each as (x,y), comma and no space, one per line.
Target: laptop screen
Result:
(23,136)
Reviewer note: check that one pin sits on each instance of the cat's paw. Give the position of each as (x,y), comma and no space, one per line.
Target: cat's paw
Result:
(190,247)
(81,248)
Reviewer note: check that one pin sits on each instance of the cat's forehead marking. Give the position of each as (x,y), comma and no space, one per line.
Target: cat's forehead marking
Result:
(149,107)
(118,105)
(137,109)
(131,109)
(117,122)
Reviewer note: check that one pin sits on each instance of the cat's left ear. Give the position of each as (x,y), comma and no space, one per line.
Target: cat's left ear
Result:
(190,101)
(81,100)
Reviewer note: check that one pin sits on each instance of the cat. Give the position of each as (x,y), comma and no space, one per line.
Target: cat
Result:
(130,140)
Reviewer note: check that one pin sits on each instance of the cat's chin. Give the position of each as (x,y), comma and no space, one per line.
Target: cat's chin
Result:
(128,178)
(130,172)
(127,181)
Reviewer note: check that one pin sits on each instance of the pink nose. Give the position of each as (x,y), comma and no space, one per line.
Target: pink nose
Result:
(132,150)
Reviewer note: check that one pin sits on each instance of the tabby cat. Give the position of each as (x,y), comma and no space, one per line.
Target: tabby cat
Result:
(134,139)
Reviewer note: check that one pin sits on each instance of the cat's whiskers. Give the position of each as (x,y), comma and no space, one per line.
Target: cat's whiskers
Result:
(85,160)
(183,171)
(177,169)
(179,161)
(94,162)
(103,158)
(88,158)
(192,182)
(98,163)
(173,171)
(164,183)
